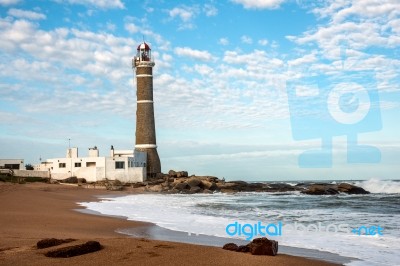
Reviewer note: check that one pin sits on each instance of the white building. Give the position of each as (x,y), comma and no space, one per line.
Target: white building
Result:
(14,164)
(123,165)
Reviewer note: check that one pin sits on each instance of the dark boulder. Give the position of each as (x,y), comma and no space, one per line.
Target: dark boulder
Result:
(209,185)
(71,180)
(172,173)
(51,242)
(72,251)
(196,189)
(230,246)
(320,190)
(263,246)
(243,249)
(194,182)
(207,191)
(182,174)
(181,186)
(351,189)
(280,187)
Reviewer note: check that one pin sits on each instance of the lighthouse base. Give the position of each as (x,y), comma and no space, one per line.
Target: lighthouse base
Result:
(153,165)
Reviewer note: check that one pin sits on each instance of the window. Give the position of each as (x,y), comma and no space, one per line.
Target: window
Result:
(61,165)
(90,164)
(78,164)
(119,165)
(11,166)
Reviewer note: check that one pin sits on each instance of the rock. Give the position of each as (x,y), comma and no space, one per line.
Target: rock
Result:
(178,174)
(263,246)
(212,179)
(172,173)
(230,246)
(71,180)
(281,187)
(255,187)
(51,242)
(174,191)
(186,191)
(206,191)
(138,184)
(181,186)
(209,185)
(320,190)
(351,189)
(72,251)
(182,174)
(196,189)
(243,249)
(194,182)
(156,188)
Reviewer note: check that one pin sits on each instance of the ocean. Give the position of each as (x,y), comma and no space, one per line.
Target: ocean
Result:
(363,227)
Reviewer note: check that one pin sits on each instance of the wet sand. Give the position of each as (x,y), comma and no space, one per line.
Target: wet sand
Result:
(31,212)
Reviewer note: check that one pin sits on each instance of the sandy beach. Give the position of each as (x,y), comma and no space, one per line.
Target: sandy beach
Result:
(31,212)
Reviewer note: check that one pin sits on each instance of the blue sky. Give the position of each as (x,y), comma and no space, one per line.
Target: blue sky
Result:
(221,81)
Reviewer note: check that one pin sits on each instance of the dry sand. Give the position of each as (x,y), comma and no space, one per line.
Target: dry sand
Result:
(31,212)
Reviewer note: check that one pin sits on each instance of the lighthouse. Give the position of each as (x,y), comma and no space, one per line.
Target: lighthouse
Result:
(145,124)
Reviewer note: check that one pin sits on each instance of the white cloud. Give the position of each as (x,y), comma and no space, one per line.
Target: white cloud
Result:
(263,42)
(306,59)
(111,26)
(259,4)
(203,69)
(184,13)
(223,41)
(19,13)
(210,10)
(352,38)
(131,28)
(246,39)
(103,4)
(9,2)
(192,53)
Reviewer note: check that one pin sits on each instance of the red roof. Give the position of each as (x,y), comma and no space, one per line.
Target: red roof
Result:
(144,46)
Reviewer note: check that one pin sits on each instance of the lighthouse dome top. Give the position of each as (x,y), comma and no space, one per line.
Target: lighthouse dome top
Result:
(143,46)
(143,55)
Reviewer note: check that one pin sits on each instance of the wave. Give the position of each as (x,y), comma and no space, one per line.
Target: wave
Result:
(380,186)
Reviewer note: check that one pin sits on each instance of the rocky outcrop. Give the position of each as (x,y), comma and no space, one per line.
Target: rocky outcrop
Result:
(259,246)
(351,189)
(72,251)
(181,182)
(320,190)
(331,189)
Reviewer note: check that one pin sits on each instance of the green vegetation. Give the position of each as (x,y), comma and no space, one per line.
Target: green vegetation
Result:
(29,167)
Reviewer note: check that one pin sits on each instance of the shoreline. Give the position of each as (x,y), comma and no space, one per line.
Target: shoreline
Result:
(31,212)
(152,231)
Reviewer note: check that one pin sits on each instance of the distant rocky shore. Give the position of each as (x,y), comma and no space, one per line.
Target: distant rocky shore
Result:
(181,182)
